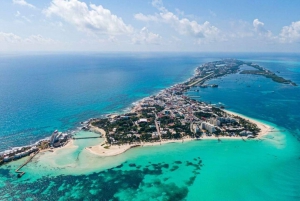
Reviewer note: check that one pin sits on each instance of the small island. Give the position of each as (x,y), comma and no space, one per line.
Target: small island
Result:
(266,73)
(169,116)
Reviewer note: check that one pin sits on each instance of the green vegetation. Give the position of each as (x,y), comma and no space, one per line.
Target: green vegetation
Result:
(44,145)
(248,125)
(159,108)
(179,122)
(203,114)
(218,111)
(267,74)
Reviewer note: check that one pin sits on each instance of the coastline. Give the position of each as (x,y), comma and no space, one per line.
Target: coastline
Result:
(264,128)
(110,150)
(97,130)
(261,168)
(69,145)
(105,150)
(119,149)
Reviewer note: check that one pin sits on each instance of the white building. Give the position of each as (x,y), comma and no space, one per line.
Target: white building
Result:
(245,133)
(209,127)
(142,121)
(215,122)
(195,128)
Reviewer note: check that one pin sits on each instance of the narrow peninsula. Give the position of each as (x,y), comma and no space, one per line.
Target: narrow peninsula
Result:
(169,116)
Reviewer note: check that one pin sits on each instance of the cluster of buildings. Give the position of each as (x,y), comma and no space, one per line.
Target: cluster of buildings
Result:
(219,67)
(177,105)
(58,139)
(170,111)
(18,153)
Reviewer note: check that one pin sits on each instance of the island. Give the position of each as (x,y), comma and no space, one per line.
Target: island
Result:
(169,116)
(266,73)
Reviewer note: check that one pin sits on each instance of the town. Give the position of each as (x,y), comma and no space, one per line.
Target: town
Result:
(168,115)
(172,115)
(57,139)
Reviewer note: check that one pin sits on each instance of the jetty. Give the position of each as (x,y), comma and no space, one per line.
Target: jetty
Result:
(20,173)
(82,138)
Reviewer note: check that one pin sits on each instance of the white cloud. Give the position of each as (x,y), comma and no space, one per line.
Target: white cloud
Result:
(9,38)
(38,39)
(23,3)
(145,18)
(179,12)
(258,32)
(259,28)
(90,19)
(158,4)
(146,37)
(183,26)
(25,18)
(290,34)
(17,14)
(258,25)
(240,29)
(15,39)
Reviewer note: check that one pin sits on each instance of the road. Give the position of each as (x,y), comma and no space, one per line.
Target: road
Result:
(157,126)
(199,80)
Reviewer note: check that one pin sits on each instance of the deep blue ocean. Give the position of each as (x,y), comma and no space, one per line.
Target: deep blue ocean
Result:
(40,93)
(44,92)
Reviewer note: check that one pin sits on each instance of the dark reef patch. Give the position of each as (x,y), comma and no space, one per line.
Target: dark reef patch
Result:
(132,165)
(119,166)
(5,173)
(103,185)
(191,181)
(175,167)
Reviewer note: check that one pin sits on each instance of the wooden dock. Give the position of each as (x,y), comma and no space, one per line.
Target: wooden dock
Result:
(82,138)
(20,173)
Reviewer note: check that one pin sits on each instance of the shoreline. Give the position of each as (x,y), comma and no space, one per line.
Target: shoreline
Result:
(119,149)
(105,149)
(264,128)
(112,150)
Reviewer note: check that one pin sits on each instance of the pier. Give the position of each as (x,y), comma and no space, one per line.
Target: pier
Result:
(20,173)
(82,138)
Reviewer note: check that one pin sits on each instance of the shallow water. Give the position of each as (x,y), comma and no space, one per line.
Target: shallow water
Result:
(175,171)
(264,169)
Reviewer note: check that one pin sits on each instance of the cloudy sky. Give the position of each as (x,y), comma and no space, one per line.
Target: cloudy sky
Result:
(150,25)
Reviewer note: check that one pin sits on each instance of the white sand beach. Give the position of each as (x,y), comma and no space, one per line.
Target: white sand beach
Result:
(264,129)
(105,150)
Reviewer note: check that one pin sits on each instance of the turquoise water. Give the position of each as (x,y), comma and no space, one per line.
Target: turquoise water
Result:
(266,169)
(42,93)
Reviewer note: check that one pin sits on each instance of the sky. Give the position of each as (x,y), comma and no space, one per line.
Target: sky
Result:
(150,25)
